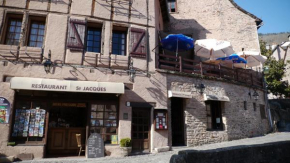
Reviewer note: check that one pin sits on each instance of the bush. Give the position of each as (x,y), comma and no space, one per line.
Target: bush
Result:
(126,142)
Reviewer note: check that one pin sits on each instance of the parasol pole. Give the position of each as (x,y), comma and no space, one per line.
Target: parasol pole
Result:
(176,47)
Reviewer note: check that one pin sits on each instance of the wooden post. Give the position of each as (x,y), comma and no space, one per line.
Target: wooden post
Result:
(180,63)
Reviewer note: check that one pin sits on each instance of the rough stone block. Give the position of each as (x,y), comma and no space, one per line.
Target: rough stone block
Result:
(16,3)
(162,149)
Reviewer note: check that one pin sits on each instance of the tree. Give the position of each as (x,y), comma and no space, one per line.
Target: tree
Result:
(276,73)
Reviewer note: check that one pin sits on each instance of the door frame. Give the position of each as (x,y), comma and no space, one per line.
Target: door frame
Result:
(149,125)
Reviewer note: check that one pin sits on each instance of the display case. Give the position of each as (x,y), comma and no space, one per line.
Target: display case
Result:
(161,119)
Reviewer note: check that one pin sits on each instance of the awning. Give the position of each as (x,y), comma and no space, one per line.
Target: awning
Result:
(66,85)
(215,98)
(179,94)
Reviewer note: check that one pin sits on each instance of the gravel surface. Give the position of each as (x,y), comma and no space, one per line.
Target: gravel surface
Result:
(165,156)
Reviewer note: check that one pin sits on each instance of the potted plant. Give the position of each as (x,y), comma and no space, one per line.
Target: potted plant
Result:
(125,145)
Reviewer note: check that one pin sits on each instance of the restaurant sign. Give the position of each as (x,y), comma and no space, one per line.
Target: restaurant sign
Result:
(66,85)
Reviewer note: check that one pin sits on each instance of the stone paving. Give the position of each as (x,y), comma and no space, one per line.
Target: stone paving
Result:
(165,156)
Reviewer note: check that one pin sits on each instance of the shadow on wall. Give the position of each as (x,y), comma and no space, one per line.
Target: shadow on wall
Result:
(188,27)
(280,110)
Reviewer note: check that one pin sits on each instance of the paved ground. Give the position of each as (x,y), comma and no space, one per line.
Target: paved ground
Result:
(165,156)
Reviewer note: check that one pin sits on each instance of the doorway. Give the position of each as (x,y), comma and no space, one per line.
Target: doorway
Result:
(65,121)
(141,129)
(177,122)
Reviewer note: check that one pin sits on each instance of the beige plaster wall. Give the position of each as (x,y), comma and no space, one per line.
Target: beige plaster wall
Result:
(56,37)
(139,12)
(238,122)
(217,19)
(38,5)
(16,3)
(81,7)
(102,9)
(59,6)
(121,11)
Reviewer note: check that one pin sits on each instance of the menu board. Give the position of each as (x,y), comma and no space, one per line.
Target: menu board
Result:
(95,146)
(161,120)
(4,110)
(29,123)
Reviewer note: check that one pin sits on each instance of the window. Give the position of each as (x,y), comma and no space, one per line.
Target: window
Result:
(254,106)
(172,5)
(119,43)
(13,31)
(36,34)
(214,115)
(94,40)
(245,105)
(104,120)
(262,111)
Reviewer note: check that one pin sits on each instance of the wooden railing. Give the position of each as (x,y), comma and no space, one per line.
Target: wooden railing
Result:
(180,64)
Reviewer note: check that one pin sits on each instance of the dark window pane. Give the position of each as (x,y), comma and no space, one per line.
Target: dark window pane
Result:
(33,31)
(115,51)
(13,22)
(90,43)
(40,32)
(17,36)
(115,40)
(90,37)
(12,29)
(96,44)
(89,49)
(145,136)
(140,136)
(19,23)
(41,26)
(33,37)
(31,43)
(97,38)
(18,29)
(34,25)
(97,32)
(96,50)
(90,32)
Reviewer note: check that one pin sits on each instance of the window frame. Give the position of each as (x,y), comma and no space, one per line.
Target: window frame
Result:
(29,29)
(211,120)
(169,6)
(96,28)
(125,32)
(8,19)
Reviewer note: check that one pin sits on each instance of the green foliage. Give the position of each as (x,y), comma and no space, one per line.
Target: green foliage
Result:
(125,142)
(276,73)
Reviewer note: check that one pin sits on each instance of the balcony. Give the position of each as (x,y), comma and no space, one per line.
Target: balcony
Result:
(183,65)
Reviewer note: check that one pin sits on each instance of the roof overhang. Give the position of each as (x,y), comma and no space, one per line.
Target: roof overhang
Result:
(24,83)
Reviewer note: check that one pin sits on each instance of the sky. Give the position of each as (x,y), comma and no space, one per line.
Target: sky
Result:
(274,13)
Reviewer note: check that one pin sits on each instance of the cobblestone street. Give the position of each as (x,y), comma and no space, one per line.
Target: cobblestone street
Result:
(165,156)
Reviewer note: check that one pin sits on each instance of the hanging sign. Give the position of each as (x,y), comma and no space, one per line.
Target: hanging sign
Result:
(4,110)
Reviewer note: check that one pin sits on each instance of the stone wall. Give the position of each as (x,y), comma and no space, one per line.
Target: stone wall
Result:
(238,122)
(218,19)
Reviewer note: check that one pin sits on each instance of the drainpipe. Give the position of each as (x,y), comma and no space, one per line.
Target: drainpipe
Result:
(267,104)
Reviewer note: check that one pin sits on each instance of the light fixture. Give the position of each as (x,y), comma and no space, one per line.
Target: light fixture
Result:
(256,95)
(132,71)
(48,64)
(201,88)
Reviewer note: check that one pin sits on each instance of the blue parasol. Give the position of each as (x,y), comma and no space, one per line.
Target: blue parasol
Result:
(234,58)
(177,42)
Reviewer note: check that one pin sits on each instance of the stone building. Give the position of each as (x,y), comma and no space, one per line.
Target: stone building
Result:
(72,67)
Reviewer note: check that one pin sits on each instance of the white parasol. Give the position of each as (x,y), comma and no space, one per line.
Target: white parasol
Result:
(253,58)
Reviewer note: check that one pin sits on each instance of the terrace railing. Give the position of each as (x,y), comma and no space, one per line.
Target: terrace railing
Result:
(180,64)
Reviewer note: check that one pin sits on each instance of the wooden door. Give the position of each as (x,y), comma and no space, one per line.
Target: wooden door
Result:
(57,139)
(140,128)
(177,122)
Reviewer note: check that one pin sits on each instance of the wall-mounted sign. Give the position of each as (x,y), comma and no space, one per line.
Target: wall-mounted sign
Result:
(160,119)
(4,110)
(66,85)
(179,94)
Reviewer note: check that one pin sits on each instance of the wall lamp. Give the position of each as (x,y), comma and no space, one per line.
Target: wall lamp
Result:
(255,95)
(48,64)
(201,88)
(132,71)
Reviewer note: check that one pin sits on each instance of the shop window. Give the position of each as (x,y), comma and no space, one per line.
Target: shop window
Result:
(94,40)
(214,115)
(119,41)
(172,5)
(104,120)
(262,111)
(29,122)
(13,30)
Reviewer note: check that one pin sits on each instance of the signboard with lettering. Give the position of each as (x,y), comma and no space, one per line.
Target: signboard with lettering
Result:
(95,146)
(114,139)
(4,110)
(66,85)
